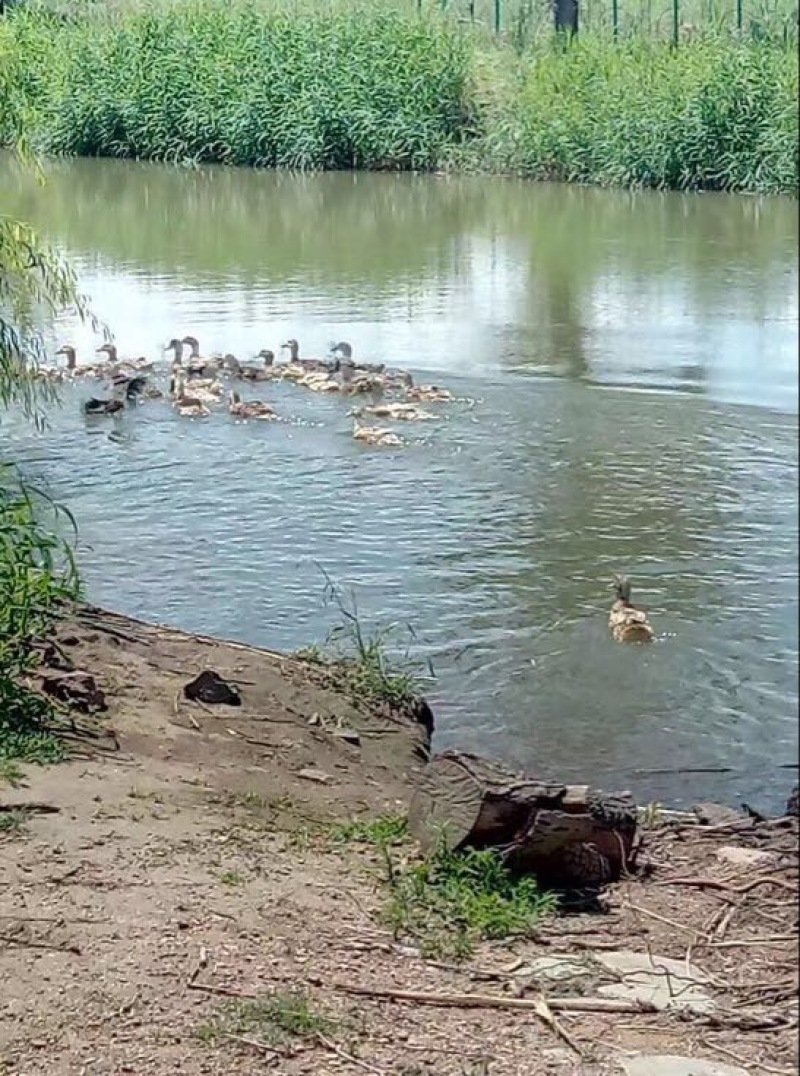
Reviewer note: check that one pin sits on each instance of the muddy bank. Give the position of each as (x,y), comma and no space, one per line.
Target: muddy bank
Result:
(296,730)
(186,866)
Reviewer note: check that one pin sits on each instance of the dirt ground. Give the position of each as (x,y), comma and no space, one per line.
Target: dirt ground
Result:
(187,863)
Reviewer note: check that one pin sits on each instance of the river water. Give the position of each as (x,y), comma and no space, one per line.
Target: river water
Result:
(627,368)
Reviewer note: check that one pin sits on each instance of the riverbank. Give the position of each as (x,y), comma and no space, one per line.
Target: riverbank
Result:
(398,92)
(190,893)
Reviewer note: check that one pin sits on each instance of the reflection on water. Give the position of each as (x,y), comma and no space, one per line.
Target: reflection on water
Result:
(632,359)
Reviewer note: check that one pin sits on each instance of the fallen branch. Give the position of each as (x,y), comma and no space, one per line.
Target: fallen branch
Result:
(545,1014)
(669,922)
(32,807)
(764,939)
(226,991)
(268,1052)
(329,1044)
(491,1001)
(27,943)
(716,883)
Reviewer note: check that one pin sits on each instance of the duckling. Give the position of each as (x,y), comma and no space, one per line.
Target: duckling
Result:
(249,408)
(320,365)
(426,393)
(196,363)
(343,350)
(375,435)
(185,405)
(398,411)
(626,623)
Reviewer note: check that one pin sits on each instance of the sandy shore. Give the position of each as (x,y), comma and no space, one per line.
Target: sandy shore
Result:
(188,864)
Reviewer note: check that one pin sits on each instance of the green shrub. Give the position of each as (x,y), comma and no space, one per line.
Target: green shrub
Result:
(714,114)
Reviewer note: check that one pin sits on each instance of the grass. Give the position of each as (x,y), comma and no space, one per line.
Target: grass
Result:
(10,773)
(232,878)
(449,901)
(277,1021)
(37,574)
(12,821)
(315,85)
(371,666)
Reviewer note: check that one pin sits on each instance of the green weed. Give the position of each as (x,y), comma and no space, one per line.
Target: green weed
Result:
(37,574)
(10,773)
(371,667)
(232,878)
(12,821)
(277,1020)
(381,831)
(452,900)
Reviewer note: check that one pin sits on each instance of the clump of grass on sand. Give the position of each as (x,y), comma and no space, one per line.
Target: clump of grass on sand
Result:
(448,901)
(276,1021)
(368,666)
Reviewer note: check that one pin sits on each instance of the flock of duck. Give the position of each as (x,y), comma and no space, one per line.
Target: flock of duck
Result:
(198,385)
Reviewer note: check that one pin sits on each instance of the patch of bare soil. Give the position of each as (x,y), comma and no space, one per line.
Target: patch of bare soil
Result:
(189,866)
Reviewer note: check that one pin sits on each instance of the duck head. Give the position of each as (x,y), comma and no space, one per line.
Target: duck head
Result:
(234,398)
(407,380)
(343,350)
(191,341)
(176,347)
(267,355)
(69,351)
(108,349)
(293,348)
(622,588)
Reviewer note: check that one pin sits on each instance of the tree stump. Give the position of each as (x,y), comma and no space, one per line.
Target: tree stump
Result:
(566,835)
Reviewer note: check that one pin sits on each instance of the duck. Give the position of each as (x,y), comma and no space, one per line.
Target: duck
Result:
(97,406)
(320,382)
(627,623)
(116,365)
(358,384)
(74,370)
(425,393)
(185,405)
(265,372)
(375,435)
(131,385)
(249,408)
(206,391)
(321,365)
(343,350)
(196,363)
(176,347)
(398,411)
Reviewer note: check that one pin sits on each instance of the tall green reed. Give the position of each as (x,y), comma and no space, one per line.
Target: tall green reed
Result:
(713,115)
(241,84)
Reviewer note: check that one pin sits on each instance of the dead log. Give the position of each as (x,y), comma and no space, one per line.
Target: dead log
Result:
(566,835)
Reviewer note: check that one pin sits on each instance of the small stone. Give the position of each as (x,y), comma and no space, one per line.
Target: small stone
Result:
(744,857)
(675,1065)
(311,774)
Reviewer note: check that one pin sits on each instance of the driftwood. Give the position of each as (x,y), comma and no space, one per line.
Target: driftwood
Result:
(565,834)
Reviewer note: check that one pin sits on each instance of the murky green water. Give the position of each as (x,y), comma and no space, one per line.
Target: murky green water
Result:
(633,362)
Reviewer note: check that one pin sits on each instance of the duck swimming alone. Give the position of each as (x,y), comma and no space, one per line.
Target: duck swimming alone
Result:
(627,623)
(249,408)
